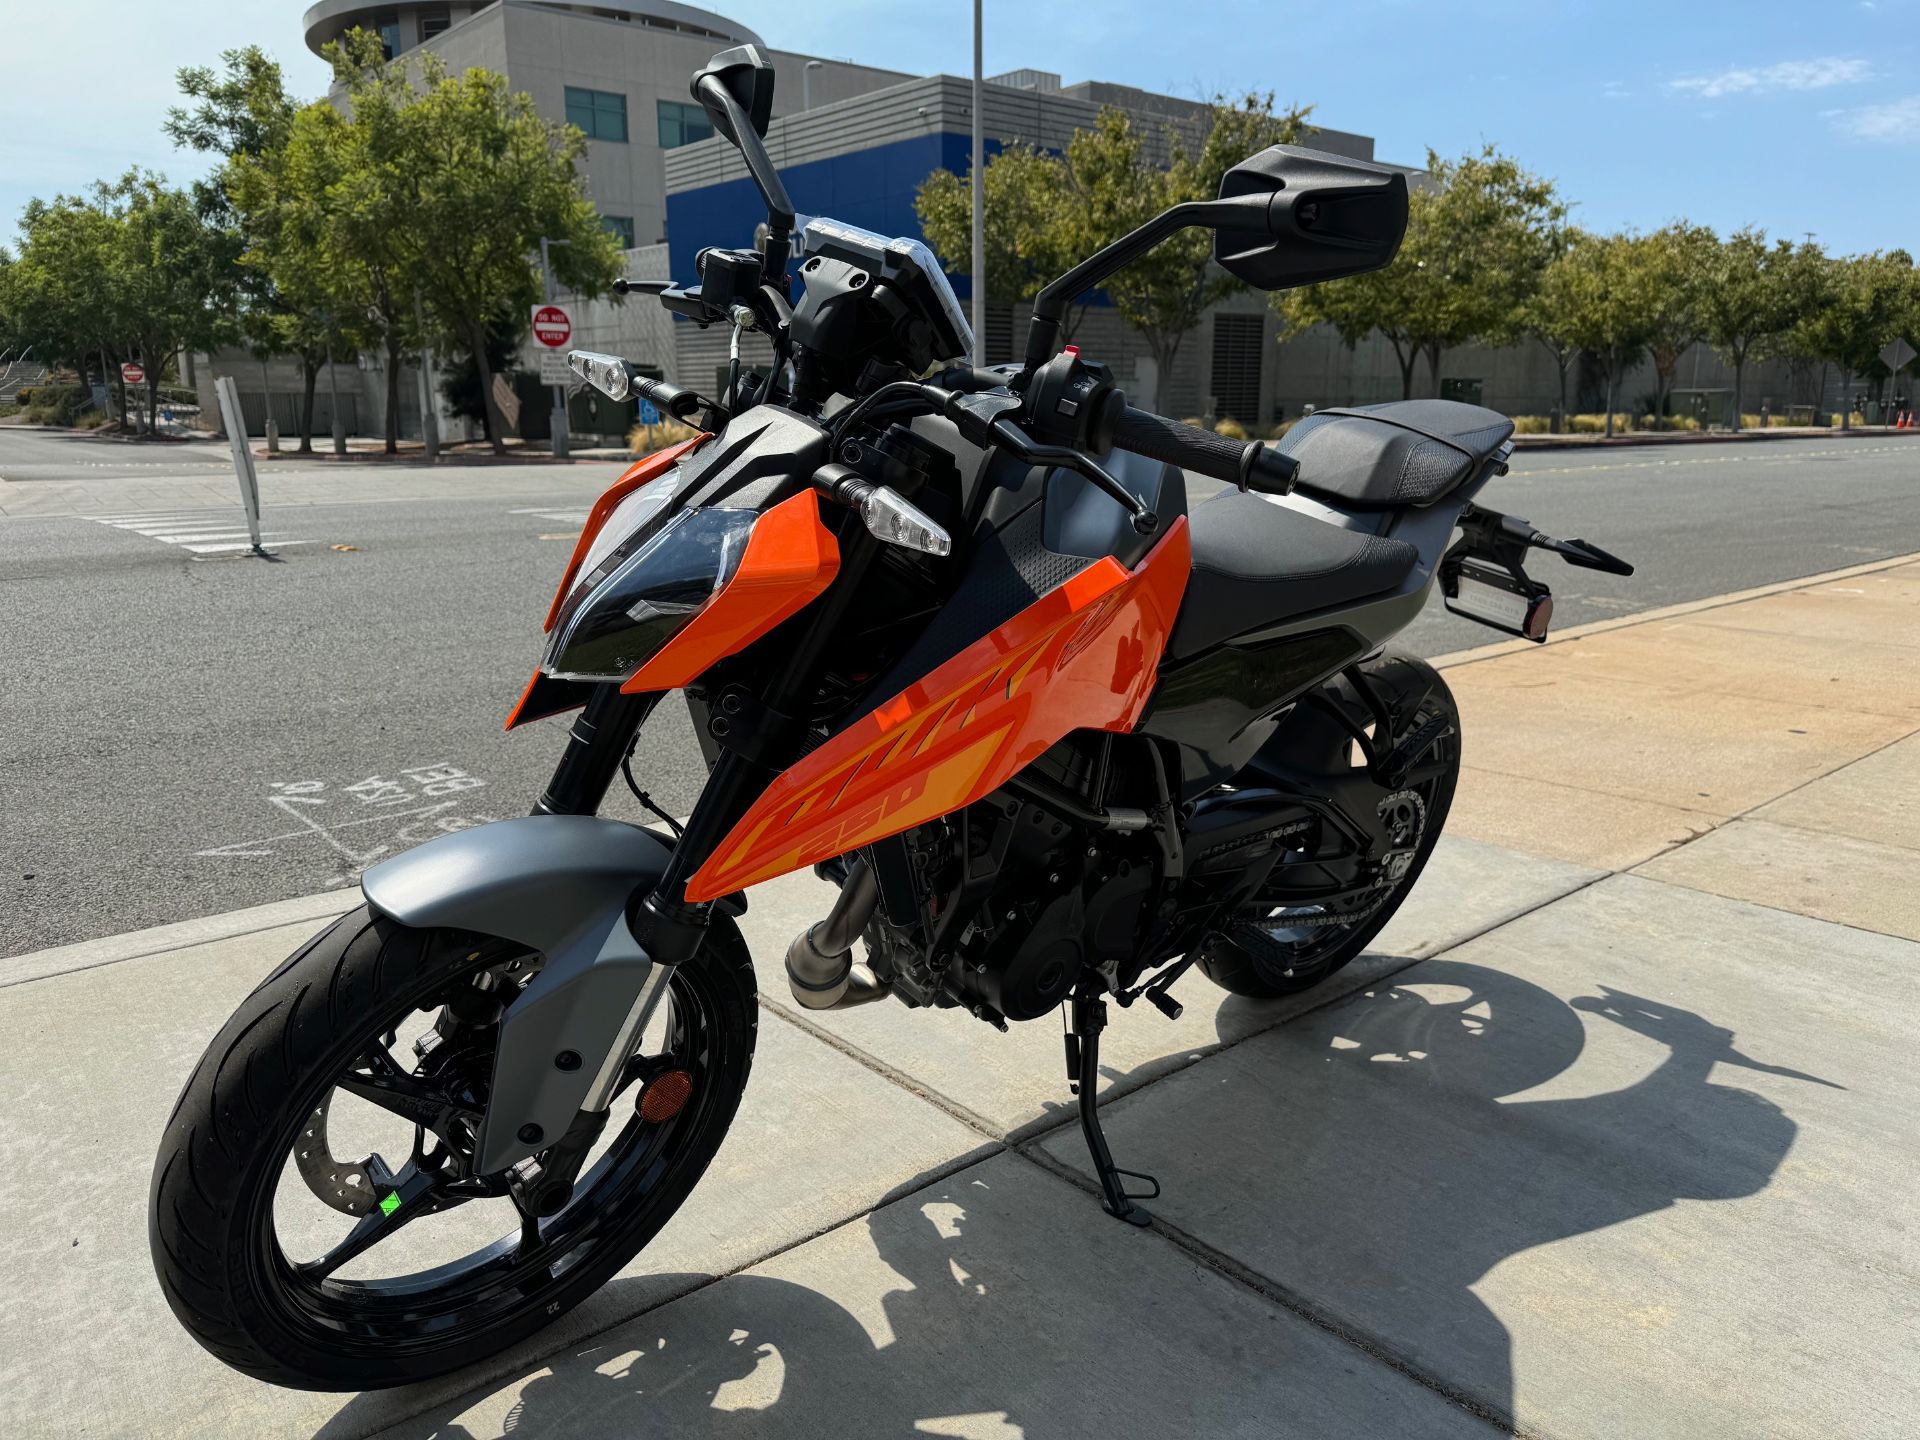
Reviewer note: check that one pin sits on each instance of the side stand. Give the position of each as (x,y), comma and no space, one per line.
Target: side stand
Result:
(1088,1019)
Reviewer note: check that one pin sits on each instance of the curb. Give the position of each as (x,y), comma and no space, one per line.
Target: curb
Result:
(1501,648)
(1695,437)
(180,935)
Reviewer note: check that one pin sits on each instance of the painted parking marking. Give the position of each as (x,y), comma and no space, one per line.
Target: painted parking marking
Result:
(199,532)
(564,517)
(358,821)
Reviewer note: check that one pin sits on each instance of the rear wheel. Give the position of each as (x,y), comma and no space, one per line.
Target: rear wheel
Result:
(314,1218)
(1280,945)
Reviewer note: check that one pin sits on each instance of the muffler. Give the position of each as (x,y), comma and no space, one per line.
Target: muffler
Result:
(820,968)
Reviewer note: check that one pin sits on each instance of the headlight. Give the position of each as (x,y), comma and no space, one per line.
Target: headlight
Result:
(644,590)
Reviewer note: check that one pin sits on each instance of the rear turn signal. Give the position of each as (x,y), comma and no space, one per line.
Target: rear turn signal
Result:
(665,1096)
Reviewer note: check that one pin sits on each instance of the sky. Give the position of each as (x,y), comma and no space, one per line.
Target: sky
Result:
(1794,117)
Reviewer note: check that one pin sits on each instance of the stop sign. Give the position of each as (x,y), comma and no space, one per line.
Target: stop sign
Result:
(552,326)
(133,372)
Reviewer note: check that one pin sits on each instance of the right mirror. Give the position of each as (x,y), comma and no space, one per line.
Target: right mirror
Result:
(1328,216)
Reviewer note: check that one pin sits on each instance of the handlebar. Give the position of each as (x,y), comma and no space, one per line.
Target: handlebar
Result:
(1250,464)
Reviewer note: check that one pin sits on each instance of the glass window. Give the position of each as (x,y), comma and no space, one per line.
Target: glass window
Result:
(620,227)
(601,114)
(682,124)
(390,38)
(433,20)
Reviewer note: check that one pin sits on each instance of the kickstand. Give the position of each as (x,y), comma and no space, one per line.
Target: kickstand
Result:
(1089,1018)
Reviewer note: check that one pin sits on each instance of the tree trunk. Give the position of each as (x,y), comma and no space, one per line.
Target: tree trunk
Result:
(1560,417)
(1406,359)
(1608,431)
(309,374)
(1739,387)
(1165,352)
(393,392)
(1434,351)
(153,403)
(1846,400)
(477,343)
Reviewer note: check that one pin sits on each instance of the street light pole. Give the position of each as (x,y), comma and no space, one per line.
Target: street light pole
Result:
(806,82)
(979,199)
(559,418)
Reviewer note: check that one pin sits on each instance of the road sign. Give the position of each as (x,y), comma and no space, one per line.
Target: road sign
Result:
(1897,354)
(133,372)
(552,326)
(553,368)
(648,414)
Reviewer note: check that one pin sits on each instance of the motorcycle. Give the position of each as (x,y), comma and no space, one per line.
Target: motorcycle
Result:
(951,636)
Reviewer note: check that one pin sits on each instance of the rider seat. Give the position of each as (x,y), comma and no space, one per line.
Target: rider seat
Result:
(1255,563)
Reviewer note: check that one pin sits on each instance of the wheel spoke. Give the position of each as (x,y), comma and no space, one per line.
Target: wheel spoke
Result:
(394,1090)
(403,1198)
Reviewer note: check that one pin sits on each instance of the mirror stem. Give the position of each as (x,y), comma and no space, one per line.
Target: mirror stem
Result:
(1050,305)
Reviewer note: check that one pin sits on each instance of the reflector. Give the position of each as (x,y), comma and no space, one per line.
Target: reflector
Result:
(665,1096)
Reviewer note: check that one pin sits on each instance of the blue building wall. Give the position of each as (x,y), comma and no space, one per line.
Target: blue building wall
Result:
(873,188)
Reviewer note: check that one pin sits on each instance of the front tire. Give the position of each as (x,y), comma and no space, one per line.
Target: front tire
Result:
(229,1148)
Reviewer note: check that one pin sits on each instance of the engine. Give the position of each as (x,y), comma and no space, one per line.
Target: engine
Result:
(1010,903)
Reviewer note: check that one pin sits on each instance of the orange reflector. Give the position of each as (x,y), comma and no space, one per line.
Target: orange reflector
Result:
(665,1096)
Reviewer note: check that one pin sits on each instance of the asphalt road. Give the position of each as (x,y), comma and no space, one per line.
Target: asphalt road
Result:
(192,732)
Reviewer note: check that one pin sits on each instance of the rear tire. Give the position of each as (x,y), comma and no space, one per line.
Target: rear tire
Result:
(1401,679)
(226,1148)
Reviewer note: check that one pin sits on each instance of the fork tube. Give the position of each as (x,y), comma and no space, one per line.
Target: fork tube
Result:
(595,747)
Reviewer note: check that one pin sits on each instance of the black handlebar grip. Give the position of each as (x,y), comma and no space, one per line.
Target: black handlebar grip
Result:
(1246,463)
(671,399)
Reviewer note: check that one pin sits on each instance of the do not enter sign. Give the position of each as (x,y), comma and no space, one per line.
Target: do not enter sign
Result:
(133,373)
(552,326)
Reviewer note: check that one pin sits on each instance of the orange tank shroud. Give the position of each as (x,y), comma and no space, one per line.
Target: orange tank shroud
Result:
(1082,656)
(790,558)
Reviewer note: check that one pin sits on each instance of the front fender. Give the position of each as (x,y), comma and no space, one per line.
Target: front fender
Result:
(558,884)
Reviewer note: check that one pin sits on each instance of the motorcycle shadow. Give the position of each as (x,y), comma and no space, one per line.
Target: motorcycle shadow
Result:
(1396,1151)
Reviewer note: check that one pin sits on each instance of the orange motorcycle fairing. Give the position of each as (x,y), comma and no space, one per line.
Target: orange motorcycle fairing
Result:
(648,467)
(790,557)
(1082,656)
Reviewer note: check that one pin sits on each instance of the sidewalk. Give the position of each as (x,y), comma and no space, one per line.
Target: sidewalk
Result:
(1610,1135)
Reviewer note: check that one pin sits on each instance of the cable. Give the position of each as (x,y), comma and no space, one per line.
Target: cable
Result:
(646,800)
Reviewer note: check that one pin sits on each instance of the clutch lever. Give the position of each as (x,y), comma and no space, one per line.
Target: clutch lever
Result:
(1022,448)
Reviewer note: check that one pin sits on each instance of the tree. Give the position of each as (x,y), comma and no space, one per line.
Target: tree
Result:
(1028,229)
(171,271)
(243,113)
(1754,294)
(1550,310)
(1599,293)
(1676,261)
(1864,309)
(58,292)
(476,179)
(1117,188)
(1481,231)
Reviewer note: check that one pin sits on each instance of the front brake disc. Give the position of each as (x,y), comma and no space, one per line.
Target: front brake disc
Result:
(352,1188)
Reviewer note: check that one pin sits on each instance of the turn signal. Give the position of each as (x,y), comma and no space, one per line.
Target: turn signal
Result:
(665,1096)
(898,521)
(606,373)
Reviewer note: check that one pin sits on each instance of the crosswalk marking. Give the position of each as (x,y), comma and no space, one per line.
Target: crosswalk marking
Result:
(199,532)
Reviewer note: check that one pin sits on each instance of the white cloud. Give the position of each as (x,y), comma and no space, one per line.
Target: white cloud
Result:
(1896,122)
(1787,75)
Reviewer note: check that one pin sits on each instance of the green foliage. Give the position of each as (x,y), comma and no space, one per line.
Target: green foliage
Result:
(1596,296)
(1866,302)
(1481,231)
(1028,231)
(1677,261)
(1755,294)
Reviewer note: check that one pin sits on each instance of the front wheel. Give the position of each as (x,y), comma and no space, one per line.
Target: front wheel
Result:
(314,1217)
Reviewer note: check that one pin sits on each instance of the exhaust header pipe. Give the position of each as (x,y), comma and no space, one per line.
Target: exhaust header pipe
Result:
(820,968)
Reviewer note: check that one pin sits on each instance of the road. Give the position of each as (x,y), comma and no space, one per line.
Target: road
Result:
(191,731)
